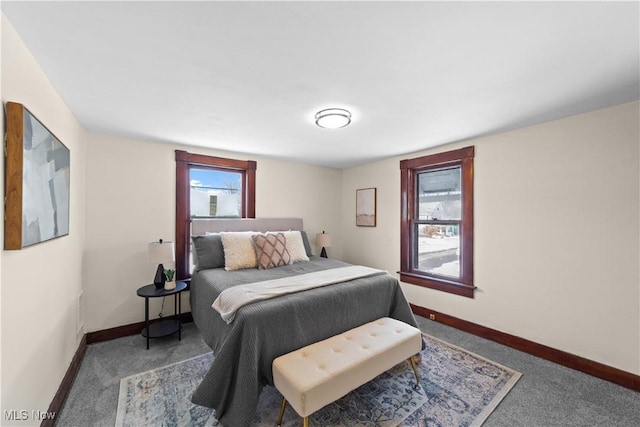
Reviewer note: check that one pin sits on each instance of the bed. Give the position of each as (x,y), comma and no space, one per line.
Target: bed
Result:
(261,331)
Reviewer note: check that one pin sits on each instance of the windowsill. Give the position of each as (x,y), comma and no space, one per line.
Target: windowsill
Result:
(444,285)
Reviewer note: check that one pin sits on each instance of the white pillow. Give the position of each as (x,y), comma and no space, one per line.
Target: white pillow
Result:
(239,250)
(295,246)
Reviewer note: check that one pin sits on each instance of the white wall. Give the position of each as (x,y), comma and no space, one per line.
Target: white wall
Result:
(285,189)
(556,234)
(131,202)
(40,284)
(1,218)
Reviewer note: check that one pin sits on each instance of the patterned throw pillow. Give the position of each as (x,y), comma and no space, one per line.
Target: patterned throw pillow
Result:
(295,245)
(271,250)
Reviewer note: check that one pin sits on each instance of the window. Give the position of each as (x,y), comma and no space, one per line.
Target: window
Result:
(437,221)
(209,187)
(215,193)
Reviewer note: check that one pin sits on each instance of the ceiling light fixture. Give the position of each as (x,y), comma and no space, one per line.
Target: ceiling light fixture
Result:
(333,118)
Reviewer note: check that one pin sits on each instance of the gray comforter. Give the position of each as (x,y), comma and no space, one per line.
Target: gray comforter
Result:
(262,331)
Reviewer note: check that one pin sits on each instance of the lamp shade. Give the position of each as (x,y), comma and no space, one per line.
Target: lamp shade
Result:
(323,240)
(161,252)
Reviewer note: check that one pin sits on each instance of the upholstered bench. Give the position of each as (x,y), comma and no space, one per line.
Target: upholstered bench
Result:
(318,374)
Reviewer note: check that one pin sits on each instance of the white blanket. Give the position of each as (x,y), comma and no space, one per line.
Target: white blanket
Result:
(230,300)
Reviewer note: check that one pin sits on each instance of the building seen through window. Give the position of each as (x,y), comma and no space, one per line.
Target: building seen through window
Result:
(215,193)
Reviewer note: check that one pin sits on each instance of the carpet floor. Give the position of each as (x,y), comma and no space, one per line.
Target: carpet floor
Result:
(546,395)
(456,388)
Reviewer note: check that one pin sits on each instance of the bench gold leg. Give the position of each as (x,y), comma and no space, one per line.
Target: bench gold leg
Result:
(415,370)
(282,408)
(305,422)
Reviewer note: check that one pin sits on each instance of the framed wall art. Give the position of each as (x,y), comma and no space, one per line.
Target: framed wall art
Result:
(366,207)
(37,180)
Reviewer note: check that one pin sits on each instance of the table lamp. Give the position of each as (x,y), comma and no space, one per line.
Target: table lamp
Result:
(323,240)
(160,252)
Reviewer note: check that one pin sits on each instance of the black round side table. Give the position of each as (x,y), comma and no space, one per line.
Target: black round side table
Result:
(167,326)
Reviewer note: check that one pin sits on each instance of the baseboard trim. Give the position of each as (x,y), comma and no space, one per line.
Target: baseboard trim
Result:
(91,338)
(126,330)
(113,333)
(65,386)
(596,369)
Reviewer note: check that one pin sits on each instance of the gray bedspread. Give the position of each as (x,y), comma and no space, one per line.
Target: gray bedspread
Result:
(262,331)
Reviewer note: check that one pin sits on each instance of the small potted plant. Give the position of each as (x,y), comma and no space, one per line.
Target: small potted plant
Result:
(169,284)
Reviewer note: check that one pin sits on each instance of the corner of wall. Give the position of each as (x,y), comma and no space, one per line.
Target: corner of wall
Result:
(42,282)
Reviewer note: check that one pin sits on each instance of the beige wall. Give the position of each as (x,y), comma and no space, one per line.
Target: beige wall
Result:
(556,234)
(40,284)
(131,202)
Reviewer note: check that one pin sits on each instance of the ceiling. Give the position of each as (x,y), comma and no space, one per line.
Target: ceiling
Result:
(249,76)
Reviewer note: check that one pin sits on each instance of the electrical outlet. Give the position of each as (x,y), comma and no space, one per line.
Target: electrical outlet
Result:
(432,316)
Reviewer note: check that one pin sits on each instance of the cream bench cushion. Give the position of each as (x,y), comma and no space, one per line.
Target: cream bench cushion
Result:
(320,373)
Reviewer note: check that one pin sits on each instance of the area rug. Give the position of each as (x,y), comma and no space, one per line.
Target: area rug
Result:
(458,388)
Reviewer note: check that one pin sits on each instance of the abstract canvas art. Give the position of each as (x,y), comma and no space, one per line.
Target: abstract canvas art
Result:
(37,181)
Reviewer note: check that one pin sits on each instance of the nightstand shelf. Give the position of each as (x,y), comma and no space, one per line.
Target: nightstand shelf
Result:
(162,328)
(167,326)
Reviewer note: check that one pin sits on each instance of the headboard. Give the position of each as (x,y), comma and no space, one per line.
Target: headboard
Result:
(200,226)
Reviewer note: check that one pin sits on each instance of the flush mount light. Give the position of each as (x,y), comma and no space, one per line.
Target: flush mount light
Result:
(333,118)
